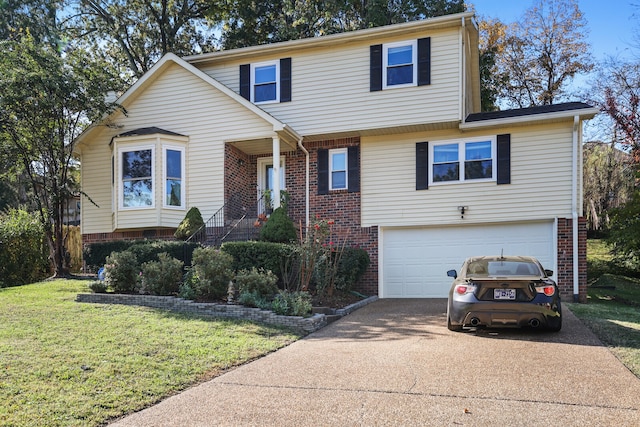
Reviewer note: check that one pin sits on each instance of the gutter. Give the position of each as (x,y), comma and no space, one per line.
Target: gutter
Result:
(574,207)
(306,198)
(587,113)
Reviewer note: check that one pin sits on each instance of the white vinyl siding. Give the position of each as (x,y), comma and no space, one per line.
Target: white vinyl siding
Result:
(180,102)
(540,181)
(330,89)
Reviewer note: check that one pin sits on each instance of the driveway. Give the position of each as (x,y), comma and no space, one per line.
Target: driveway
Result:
(394,362)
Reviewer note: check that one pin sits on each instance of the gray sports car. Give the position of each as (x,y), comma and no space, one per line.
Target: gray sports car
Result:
(503,291)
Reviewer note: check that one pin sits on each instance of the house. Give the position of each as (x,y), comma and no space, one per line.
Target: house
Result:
(378,129)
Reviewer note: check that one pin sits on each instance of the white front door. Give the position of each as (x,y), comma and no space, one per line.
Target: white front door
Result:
(265,182)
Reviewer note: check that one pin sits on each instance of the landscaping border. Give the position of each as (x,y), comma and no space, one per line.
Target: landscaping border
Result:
(303,324)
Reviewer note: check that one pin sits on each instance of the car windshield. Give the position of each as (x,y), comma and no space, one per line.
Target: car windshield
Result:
(484,268)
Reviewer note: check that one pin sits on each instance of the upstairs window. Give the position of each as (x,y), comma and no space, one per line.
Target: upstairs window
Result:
(137,178)
(264,82)
(174,167)
(399,63)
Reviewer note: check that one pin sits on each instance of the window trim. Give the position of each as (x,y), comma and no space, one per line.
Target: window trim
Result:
(165,148)
(462,159)
(414,62)
(252,84)
(120,187)
(344,151)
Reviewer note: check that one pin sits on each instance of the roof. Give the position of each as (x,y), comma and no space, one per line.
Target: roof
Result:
(147,131)
(531,111)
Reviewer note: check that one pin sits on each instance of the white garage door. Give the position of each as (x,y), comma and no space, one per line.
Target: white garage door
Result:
(415,260)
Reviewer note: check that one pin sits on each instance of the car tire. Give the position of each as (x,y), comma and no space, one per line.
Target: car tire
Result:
(556,325)
(454,328)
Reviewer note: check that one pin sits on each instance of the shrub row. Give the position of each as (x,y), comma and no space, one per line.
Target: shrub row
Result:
(95,254)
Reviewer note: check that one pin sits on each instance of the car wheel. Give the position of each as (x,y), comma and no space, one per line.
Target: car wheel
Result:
(556,325)
(454,328)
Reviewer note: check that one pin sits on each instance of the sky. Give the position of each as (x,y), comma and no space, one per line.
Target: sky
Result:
(611,22)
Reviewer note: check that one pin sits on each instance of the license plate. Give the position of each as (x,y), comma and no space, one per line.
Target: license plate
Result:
(504,294)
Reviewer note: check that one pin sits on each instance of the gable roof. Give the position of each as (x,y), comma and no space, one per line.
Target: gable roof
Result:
(165,62)
(528,115)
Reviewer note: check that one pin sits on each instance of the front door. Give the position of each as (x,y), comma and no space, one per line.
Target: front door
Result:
(265,183)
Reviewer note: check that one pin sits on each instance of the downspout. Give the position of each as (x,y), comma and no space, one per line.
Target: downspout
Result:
(574,207)
(306,153)
(463,57)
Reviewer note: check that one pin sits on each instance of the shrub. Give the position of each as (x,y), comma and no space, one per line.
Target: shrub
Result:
(122,272)
(23,255)
(253,299)
(95,254)
(162,277)
(265,255)
(257,281)
(279,228)
(292,303)
(190,224)
(98,287)
(353,264)
(212,268)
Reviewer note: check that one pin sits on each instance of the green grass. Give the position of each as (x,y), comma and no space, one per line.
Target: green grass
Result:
(613,308)
(64,363)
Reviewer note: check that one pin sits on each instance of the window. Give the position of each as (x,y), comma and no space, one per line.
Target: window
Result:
(264,84)
(173,170)
(137,178)
(266,81)
(462,161)
(399,63)
(338,169)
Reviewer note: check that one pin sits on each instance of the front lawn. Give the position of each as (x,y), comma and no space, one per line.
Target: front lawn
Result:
(64,363)
(613,308)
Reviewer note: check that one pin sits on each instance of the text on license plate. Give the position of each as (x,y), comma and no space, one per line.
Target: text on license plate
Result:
(504,294)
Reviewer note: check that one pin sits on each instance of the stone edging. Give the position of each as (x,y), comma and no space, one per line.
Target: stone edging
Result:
(180,305)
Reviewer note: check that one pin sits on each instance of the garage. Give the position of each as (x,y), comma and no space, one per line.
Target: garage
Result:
(415,260)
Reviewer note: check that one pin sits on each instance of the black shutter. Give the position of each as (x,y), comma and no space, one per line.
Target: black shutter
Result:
(245,81)
(375,64)
(422,165)
(353,160)
(285,80)
(323,171)
(504,159)
(424,61)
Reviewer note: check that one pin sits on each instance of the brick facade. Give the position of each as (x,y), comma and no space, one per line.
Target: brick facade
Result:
(565,259)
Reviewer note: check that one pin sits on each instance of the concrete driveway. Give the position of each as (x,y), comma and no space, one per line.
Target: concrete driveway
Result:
(394,363)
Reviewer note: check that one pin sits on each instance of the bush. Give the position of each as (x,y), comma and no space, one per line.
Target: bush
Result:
(279,228)
(122,272)
(353,264)
(23,255)
(162,277)
(190,224)
(292,303)
(257,281)
(98,287)
(212,271)
(95,254)
(265,255)
(253,299)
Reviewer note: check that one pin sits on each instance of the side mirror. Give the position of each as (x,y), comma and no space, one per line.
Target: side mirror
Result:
(549,273)
(452,273)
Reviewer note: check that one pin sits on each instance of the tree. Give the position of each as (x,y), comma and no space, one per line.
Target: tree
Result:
(543,52)
(608,182)
(248,23)
(39,16)
(492,31)
(134,34)
(47,97)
